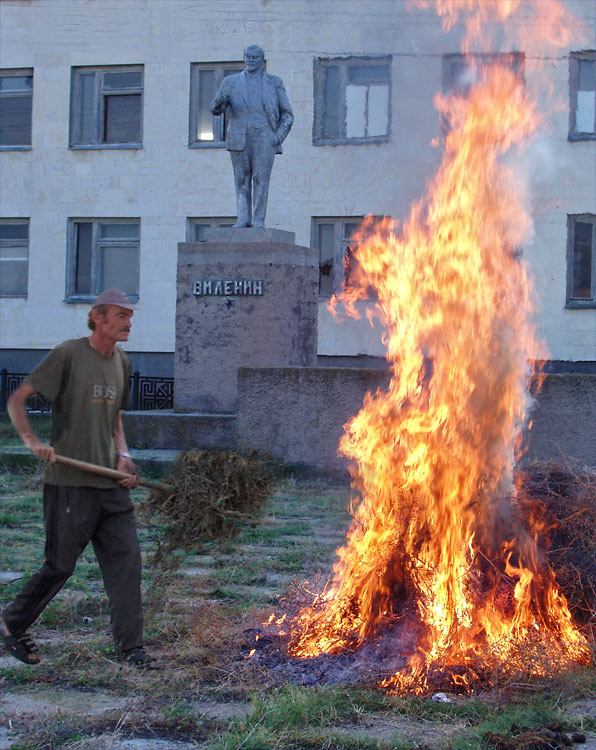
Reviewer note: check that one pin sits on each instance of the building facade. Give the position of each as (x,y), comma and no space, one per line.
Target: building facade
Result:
(109,155)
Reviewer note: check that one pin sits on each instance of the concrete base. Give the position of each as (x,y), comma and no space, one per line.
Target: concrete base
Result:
(249,234)
(240,303)
(168,430)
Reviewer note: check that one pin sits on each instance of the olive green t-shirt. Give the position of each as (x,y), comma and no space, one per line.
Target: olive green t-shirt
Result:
(87,390)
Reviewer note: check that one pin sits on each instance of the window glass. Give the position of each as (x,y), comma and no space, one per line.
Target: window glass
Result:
(585,111)
(16,83)
(15,110)
(14,259)
(123,80)
(118,231)
(205,126)
(86,107)
(378,110)
(368,74)
(356,111)
(122,119)
(14,232)
(119,268)
(331,103)
(82,270)
(582,260)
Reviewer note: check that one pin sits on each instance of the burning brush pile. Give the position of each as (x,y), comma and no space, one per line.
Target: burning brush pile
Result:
(445,557)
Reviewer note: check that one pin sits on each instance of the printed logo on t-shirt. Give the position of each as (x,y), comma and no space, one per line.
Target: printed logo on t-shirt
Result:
(104,394)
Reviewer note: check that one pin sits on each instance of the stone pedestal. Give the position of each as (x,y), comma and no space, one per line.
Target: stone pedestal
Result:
(249,299)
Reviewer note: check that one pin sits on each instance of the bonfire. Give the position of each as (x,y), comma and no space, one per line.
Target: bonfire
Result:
(438,540)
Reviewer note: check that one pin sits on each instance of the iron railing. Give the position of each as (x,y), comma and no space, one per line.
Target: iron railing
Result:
(145,392)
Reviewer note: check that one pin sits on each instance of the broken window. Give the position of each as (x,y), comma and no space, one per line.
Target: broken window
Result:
(582,93)
(352,100)
(581,276)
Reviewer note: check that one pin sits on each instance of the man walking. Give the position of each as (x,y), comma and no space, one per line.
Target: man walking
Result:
(260,119)
(87,382)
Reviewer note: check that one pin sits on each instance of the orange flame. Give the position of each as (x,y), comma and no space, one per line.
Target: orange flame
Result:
(433,456)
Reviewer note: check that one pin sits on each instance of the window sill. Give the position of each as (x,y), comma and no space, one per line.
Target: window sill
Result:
(575,304)
(24,295)
(102,146)
(575,137)
(207,144)
(16,148)
(350,141)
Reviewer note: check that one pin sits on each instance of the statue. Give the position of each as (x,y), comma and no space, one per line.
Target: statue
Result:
(260,118)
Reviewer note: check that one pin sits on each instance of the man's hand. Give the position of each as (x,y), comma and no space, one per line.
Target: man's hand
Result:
(43,451)
(126,465)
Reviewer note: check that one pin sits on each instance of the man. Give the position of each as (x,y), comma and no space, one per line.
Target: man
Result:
(87,382)
(260,118)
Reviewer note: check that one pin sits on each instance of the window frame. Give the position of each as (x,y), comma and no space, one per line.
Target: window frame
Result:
(574,60)
(17,73)
(219,121)
(214,222)
(320,64)
(572,302)
(99,96)
(18,243)
(71,294)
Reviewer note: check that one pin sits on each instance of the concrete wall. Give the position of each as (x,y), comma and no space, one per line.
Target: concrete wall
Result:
(297,414)
(166,182)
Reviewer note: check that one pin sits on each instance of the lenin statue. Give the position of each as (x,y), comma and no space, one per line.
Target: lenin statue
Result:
(260,117)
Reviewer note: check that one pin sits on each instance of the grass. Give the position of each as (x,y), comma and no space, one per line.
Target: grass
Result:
(209,692)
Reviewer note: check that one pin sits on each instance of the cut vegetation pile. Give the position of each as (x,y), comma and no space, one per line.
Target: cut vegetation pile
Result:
(216,494)
(560,500)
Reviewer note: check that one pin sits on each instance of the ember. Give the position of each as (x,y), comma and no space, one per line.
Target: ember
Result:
(437,538)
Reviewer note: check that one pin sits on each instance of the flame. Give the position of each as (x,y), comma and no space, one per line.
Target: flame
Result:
(433,456)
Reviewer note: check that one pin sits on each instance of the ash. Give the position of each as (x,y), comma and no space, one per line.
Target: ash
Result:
(379,657)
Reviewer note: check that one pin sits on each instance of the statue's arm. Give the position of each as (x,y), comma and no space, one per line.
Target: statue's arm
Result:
(221,100)
(286,116)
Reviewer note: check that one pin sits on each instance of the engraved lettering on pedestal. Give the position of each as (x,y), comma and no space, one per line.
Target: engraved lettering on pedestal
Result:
(228,288)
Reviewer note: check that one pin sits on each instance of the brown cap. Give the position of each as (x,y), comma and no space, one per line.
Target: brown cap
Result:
(114,297)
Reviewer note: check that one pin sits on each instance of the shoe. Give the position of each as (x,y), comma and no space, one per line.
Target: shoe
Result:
(21,646)
(138,657)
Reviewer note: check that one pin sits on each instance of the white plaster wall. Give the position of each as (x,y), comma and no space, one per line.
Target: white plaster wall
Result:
(165,182)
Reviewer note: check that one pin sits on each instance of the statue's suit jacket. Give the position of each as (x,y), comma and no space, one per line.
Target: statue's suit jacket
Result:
(233,93)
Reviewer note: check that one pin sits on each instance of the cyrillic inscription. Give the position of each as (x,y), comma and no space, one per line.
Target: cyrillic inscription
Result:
(228,287)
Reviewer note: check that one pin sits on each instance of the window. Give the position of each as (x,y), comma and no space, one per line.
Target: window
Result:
(581,266)
(332,237)
(196,227)
(207,129)
(16,98)
(582,92)
(461,72)
(107,107)
(352,100)
(14,257)
(103,253)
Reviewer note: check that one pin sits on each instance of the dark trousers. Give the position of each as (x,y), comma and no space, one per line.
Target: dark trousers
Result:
(75,516)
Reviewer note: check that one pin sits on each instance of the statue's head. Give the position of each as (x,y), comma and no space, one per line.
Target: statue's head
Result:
(254,57)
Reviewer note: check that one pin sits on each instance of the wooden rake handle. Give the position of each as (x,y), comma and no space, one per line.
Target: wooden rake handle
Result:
(112,473)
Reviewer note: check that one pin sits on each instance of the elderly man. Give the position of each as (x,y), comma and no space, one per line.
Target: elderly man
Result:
(87,381)
(260,117)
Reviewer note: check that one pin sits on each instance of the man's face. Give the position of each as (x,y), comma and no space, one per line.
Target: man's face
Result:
(115,324)
(253,60)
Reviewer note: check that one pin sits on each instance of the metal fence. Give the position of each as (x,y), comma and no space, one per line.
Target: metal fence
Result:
(145,392)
